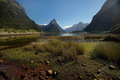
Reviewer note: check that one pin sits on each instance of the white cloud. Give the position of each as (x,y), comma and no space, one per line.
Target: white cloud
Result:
(44,24)
(67,26)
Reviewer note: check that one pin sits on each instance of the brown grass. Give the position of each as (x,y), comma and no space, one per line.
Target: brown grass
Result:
(67,50)
(110,51)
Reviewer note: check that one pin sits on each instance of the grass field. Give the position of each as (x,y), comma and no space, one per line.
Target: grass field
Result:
(60,54)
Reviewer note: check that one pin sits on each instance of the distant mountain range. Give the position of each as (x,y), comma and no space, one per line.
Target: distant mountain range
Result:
(77,27)
(107,19)
(12,15)
(52,27)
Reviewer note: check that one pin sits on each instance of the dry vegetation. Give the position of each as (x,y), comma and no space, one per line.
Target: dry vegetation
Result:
(67,50)
(110,51)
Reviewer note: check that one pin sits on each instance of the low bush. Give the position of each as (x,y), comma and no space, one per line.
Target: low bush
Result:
(110,51)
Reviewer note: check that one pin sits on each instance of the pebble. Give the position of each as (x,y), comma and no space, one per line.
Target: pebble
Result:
(31,62)
(47,62)
(50,72)
(111,67)
(98,72)
(1,61)
(80,77)
(83,64)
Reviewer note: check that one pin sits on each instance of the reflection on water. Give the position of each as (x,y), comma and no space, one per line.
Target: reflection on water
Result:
(63,34)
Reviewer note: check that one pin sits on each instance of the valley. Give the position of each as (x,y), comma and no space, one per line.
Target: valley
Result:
(43,42)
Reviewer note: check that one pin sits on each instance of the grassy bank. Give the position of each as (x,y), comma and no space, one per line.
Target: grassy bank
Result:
(36,51)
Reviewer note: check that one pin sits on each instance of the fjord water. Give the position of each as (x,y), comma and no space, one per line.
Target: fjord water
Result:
(63,34)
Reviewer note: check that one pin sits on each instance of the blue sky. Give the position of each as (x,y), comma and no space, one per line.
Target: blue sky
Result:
(66,12)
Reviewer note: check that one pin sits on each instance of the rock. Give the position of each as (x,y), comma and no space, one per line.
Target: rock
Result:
(55,73)
(47,62)
(111,67)
(98,72)
(31,62)
(1,61)
(83,64)
(50,72)
(80,77)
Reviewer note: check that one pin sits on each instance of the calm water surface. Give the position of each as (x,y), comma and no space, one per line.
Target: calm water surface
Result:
(64,34)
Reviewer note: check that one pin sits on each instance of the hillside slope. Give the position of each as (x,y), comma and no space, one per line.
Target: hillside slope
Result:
(106,18)
(12,15)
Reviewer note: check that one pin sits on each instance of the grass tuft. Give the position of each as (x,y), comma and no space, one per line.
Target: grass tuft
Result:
(67,50)
(110,51)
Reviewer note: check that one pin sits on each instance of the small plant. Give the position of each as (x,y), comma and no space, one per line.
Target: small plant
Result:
(110,51)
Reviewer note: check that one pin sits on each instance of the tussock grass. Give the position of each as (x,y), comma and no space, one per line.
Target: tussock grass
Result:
(110,51)
(67,50)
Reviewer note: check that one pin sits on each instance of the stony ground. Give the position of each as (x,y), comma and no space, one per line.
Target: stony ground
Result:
(16,71)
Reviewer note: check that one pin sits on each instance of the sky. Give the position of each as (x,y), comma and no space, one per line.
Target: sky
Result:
(66,12)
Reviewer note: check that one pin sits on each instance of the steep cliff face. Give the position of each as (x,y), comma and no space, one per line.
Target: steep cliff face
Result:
(12,15)
(106,18)
(53,27)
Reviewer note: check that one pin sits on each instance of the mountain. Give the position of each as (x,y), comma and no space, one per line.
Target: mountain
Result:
(106,18)
(77,27)
(52,27)
(12,15)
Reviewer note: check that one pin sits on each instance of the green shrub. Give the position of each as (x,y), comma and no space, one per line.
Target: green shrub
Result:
(110,51)
(67,50)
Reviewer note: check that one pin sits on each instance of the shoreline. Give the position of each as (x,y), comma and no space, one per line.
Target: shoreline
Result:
(20,34)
